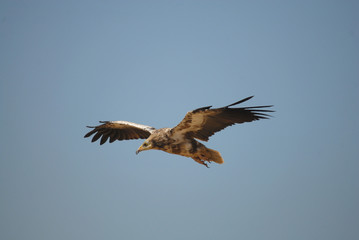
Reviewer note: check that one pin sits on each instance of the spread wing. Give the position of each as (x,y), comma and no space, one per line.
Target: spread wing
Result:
(119,130)
(204,122)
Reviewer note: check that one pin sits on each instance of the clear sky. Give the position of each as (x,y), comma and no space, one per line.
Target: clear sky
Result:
(68,64)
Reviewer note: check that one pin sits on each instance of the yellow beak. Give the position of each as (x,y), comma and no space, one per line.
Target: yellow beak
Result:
(144,147)
(140,149)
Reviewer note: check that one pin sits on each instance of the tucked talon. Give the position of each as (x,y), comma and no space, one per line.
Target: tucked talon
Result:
(205,164)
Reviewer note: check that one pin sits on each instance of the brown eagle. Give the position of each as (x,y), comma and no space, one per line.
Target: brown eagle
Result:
(197,124)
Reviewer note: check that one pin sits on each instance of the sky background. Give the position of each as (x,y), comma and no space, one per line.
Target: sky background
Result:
(68,64)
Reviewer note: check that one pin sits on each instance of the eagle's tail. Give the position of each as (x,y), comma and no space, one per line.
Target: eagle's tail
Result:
(214,156)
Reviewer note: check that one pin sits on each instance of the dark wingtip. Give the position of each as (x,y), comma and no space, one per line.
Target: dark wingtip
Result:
(266,106)
(88,134)
(240,101)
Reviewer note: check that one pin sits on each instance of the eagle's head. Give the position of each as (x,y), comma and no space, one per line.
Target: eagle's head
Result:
(147,145)
(158,140)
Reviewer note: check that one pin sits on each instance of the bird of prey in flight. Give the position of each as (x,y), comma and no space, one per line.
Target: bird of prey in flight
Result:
(199,124)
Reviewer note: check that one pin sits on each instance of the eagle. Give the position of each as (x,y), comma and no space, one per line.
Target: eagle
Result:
(199,124)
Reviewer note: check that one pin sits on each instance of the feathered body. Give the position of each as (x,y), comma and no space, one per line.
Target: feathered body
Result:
(163,139)
(181,140)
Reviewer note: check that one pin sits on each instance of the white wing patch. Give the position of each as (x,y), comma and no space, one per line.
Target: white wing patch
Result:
(147,128)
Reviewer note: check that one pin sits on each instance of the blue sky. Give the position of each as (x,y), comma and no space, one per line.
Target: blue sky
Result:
(68,64)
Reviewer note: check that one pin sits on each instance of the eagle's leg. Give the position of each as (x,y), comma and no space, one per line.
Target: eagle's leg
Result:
(200,161)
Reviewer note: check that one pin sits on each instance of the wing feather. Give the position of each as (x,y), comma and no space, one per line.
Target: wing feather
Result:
(97,136)
(203,122)
(119,130)
(104,138)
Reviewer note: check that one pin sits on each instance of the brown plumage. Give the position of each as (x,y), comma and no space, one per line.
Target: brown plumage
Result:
(200,124)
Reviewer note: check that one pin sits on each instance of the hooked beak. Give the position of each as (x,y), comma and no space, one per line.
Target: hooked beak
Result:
(138,150)
(143,147)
